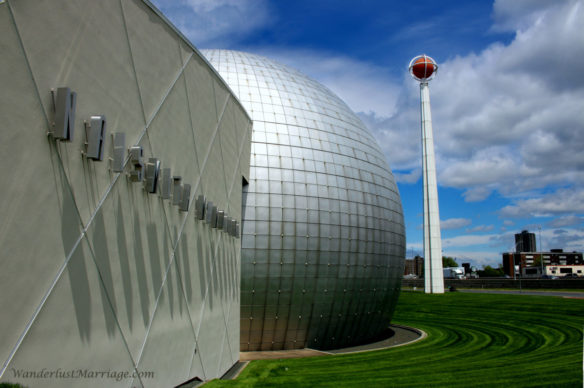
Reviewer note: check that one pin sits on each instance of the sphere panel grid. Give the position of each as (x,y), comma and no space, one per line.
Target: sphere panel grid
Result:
(323,238)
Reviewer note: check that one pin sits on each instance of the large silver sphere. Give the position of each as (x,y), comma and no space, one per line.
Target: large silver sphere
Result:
(323,239)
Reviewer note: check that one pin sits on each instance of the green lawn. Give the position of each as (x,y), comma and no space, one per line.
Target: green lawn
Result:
(473,340)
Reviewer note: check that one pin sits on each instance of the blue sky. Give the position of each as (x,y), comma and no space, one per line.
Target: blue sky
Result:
(507,102)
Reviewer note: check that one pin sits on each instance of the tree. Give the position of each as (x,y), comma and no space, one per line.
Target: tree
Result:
(490,272)
(448,262)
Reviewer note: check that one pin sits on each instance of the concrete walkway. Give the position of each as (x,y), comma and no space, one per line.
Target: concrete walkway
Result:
(397,335)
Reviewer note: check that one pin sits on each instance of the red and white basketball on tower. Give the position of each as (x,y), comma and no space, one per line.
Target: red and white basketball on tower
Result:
(423,68)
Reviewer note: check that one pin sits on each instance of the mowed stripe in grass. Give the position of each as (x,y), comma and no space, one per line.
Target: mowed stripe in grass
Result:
(473,340)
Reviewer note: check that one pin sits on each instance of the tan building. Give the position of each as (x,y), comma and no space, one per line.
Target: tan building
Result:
(525,260)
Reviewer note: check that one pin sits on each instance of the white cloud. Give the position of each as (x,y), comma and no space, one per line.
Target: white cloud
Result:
(567,239)
(364,87)
(563,201)
(476,194)
(468,240)
(517,15)
(508,119)
(216,23)
(410,177)
(454,223)
(571,220)
(492,162)
(476,258)
(400,141)
(480,228)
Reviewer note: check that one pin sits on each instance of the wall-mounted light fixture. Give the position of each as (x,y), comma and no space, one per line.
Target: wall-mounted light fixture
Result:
(220,219)
(152,173)
(95,133)
(230,226)
(166,183)
(200,204)
(185,198)
(119,151)
(176,190)
(136,153)
(210,213)
(64,125)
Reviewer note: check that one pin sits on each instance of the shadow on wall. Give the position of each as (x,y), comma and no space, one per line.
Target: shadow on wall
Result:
(103,263)
(141,271)
(124,263)
(71,238)
(217,273)
(188,285)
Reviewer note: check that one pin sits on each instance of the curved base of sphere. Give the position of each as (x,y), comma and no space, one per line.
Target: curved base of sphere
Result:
(323,238)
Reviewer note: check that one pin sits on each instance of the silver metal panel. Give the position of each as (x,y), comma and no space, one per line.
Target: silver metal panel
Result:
(210,213)
(152,173)
(136,154)
(213,217)
(231,226)
(322,219)
(119,151)
(200,205)
(220,219)
(185,198)
(96,137)
(65,104)
(118,278)
(176,190)
(166,183)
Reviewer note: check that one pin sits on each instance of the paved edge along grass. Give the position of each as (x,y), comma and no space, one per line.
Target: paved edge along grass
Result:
(478,340)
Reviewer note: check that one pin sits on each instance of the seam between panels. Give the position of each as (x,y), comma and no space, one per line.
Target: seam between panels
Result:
(223,165)
(84,228)
(114,313)
(215,255)
(154,311)
(180,233)
(226,317)
(140,137)
(163,99)
(182,226)
(100,203)
(195,186)
(209,148)
(65,177)
(40,306)
(132,60)
(216,269)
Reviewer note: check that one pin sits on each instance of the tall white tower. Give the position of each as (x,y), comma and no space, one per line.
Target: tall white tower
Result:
(423,68)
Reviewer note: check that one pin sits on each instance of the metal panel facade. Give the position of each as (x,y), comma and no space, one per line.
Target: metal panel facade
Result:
(323,240)
(97,273)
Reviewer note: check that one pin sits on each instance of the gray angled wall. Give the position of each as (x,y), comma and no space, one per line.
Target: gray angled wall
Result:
(95,273)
